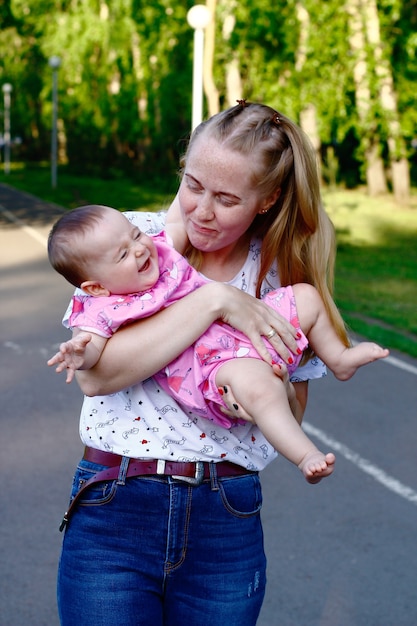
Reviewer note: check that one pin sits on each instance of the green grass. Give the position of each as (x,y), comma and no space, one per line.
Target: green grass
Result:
(376,269)
(72,191)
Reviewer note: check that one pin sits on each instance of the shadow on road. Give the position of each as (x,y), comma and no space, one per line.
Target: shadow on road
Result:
(26,208)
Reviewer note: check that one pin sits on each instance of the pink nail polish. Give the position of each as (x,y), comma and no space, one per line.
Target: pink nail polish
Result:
(290,360)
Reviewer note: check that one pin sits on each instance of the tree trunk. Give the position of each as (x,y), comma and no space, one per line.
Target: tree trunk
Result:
(62,142)
(301,53)
(308,122)
(234,88)
(210,88)
(401,180)
(233,82)
(308,115)
(142,97)
(400,171)
(375,174)
(142,100)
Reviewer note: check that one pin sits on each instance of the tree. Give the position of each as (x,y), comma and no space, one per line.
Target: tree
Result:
(370,139)
(210,88)
(308,111)
(388,101)
(126,75)
(376,102)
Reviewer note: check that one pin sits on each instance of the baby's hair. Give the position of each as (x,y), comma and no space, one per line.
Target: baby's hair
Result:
(65,255)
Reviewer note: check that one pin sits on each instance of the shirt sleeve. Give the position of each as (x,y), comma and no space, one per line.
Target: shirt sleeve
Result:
(149,223)
(315,368)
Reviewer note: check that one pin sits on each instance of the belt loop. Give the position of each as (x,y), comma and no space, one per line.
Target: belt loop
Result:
(213,476)
(124,464)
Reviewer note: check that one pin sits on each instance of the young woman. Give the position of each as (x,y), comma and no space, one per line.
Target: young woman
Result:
(168,530)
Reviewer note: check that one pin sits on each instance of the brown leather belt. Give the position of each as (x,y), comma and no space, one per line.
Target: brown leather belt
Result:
(192,473)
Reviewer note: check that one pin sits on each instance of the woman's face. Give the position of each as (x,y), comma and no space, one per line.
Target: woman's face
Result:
(217,197)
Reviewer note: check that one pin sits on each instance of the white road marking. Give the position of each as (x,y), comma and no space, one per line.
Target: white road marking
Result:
(366,466)
(392,360)
(402,365)
(32,232)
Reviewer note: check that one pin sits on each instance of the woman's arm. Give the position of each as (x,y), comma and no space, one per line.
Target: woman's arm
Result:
(139,350)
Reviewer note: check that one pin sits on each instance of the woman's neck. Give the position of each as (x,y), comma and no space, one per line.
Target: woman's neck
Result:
(223,265)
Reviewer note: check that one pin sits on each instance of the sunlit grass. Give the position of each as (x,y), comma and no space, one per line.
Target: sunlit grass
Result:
(363,220)
(376,269)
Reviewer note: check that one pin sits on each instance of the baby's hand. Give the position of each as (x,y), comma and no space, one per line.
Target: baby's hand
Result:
(71,355)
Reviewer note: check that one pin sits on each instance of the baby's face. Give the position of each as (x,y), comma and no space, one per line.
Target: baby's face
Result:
(124,260)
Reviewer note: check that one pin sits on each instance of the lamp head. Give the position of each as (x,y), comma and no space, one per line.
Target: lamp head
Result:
(199,16)
(54,62)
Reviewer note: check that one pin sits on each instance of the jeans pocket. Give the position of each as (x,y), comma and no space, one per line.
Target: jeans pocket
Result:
(242,496)
(98,493)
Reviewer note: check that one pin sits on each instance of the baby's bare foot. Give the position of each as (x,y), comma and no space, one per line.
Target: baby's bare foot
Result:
(316,465)
(362,354)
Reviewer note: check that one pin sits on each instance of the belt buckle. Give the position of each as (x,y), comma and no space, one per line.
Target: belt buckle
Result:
(198,477)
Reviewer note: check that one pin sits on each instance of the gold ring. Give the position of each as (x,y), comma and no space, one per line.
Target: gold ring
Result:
(271,333)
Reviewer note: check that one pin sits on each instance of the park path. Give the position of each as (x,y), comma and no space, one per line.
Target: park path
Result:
(341,553)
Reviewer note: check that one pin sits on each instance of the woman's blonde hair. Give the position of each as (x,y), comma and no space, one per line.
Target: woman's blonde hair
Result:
(296,232)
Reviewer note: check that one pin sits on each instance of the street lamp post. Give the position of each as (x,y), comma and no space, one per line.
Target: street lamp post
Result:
(7,89)
(198,17)
(54,63)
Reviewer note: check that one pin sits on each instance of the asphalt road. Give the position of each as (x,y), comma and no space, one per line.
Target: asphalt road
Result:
(341,553)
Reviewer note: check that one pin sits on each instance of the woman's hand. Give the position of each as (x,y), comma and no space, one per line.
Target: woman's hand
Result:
(255,319)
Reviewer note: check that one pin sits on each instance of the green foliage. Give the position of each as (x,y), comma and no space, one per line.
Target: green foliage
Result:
(403,37)
(125,76)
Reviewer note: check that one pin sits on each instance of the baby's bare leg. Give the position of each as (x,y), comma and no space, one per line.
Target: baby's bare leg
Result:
(263,396)
(322,337)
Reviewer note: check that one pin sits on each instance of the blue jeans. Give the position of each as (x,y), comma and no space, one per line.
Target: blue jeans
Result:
(158,552)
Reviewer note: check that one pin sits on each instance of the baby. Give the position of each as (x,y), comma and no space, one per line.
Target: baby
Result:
(126,275)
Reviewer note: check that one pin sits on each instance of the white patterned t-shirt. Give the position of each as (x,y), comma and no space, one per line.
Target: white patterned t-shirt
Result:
(143,421)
